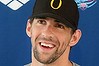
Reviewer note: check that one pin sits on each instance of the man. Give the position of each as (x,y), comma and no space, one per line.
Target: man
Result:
(53,31)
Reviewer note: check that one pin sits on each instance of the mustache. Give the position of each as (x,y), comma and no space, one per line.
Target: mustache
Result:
(49,39)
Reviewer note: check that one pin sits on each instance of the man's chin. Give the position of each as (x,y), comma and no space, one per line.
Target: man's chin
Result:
(44,61)
(44,57)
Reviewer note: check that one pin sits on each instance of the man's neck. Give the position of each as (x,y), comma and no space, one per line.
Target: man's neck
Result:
(61,63)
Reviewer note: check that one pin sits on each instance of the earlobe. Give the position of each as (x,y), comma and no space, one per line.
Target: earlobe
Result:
(28,28)
(75,37)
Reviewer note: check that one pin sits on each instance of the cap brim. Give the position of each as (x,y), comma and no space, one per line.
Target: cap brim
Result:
(61,19)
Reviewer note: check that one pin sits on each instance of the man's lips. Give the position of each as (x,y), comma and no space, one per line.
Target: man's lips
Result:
(47,45)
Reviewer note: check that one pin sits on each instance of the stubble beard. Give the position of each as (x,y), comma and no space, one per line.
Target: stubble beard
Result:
(49,60)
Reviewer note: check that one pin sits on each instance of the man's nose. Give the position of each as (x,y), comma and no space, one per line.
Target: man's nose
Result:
(48,31)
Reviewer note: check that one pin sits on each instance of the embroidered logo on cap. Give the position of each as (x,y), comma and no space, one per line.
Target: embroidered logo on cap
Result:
(60,4)
(14,4)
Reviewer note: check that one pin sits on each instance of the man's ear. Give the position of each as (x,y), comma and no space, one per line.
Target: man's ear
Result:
(75,37)
(28,28)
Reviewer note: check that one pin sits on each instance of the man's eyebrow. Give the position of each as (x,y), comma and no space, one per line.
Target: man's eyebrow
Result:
(56,20)
(59,22)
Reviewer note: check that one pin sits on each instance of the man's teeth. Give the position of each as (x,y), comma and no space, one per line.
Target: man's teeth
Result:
(47,45)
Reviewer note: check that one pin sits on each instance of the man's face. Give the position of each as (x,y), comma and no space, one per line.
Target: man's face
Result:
(49,39)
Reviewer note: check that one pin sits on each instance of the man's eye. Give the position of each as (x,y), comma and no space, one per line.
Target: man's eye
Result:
(43,22)
(60,26)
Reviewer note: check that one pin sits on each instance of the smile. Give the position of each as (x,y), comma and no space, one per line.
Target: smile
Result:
(46,45)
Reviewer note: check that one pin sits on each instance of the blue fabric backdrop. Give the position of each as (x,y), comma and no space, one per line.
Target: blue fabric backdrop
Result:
(15,46)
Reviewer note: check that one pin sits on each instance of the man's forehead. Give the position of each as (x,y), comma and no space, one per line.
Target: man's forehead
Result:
(52,20)
(48,18)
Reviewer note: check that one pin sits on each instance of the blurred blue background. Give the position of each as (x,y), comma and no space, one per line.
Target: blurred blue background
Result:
(15,46)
